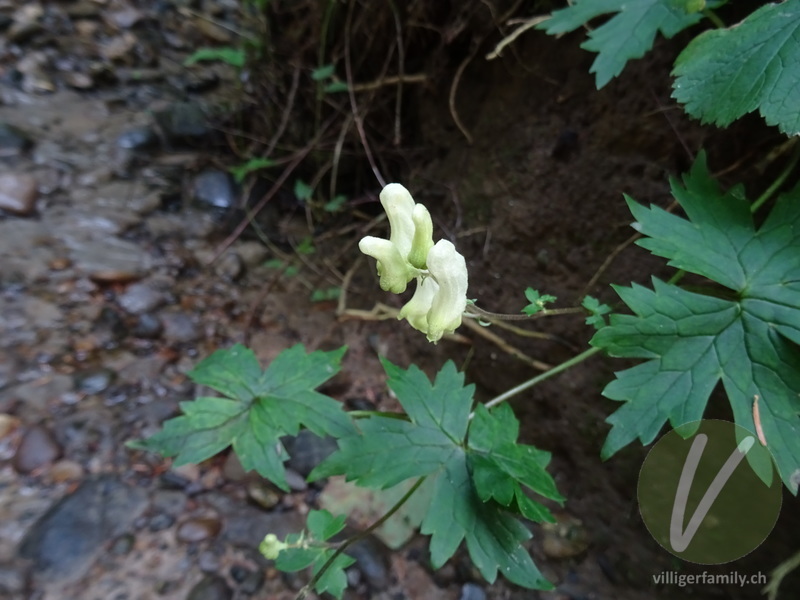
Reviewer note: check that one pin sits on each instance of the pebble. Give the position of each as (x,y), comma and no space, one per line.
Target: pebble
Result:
(229,267)
(566,538)
(180,328)
(471,591)
(65,470)
(182,122)
(160,522)
(110,260)
(372,559)
(198,529)
(138,138)
(13,141)
(307,450)
(252,253)
(148,326)
(250,581)
(18,193)
(141,298)
(95,381)
(262,494)
(64,543)
(36,449)
(215,189)
(211,587)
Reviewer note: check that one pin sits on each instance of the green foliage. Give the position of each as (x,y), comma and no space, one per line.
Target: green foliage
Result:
(254,164)
(476,468)
(259,407)
(626,35)
(755,65)
(302,191)
(309,550)
(233,56)
(747,338)
(537,301)
(335,205)
(324,294)
(597,312)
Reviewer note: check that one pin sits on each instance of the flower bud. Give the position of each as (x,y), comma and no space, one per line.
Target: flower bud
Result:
(423,236)
(399,205)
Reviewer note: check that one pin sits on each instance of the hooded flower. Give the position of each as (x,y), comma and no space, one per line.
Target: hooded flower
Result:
(441,272)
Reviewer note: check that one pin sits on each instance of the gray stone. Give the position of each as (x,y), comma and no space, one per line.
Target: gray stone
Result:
(67,539)
(148,326)
(138,138)
(214,189)
(109,259)
(18,193)
(13,141)
(211,587)
(141,298)
(307,450)
(184,121)
(94,381)
(471,591)
(180,328)
(36,449)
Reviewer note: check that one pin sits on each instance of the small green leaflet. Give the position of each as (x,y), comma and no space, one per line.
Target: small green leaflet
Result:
(259,407)
(321,73)
(475,467)
(597,312)
(239,172)
(232,56)
(692,341)
(310,551)
(537,301)
(628,34)
(724,74)
(302,191)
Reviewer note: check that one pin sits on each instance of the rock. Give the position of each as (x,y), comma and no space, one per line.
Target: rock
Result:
(94,381)
(471,591)
(141,298)
(138,138)
(566,538)
(160,522)
(262,494)
(37,448)
(13,579)
(109,260)
(18,193)
(252,253)
(148,326)
(79,81)
(13,141)
(198,529)
(183,122)
(232,469)
(307,450)
(67,539)
(229,267)
(214,189)
(26,251)
(118,47)
(372,560)
(180,328)
(211,587)
(65,470)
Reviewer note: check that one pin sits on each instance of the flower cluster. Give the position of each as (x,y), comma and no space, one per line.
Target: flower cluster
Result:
(441,272)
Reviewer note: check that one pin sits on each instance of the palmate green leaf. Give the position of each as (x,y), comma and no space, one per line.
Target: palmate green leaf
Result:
(629,34)
(433,443)
(261,406)
(755,65)
(693,341)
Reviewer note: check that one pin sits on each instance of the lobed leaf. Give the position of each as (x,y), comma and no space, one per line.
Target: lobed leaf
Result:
(628,34)
(261,406)
(747,341)
(724,74)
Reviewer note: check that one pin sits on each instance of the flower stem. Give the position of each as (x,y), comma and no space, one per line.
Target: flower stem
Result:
(539,378)
(303,593)
(473,310)
(778,181)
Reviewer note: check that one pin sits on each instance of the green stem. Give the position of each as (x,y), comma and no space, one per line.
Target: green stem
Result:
(472,309)
(360,536)
(712,16)
(779,181)
(539,378)
(366,414)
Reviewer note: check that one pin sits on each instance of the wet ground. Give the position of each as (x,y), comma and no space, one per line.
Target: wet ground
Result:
(114,203)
